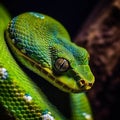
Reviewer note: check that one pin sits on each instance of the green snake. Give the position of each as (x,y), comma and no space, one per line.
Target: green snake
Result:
(43,45)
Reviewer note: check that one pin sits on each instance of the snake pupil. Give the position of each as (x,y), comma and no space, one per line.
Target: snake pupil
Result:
(61,65)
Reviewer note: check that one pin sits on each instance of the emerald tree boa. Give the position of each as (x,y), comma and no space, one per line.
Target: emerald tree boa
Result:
(43,45)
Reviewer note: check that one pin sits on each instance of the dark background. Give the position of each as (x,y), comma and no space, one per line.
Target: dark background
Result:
(72,13)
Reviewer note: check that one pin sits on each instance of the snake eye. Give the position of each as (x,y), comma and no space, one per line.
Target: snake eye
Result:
(61,65)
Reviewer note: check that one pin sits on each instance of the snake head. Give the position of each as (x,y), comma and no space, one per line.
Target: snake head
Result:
(81,74)
(72,66)
(43,45)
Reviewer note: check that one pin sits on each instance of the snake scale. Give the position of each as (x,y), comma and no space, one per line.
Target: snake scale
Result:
(43,45)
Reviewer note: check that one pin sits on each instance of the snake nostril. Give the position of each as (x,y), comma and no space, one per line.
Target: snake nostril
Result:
(90,84)
(81,83)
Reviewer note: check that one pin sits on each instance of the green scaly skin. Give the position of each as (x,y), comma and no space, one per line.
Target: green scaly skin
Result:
(43,45)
